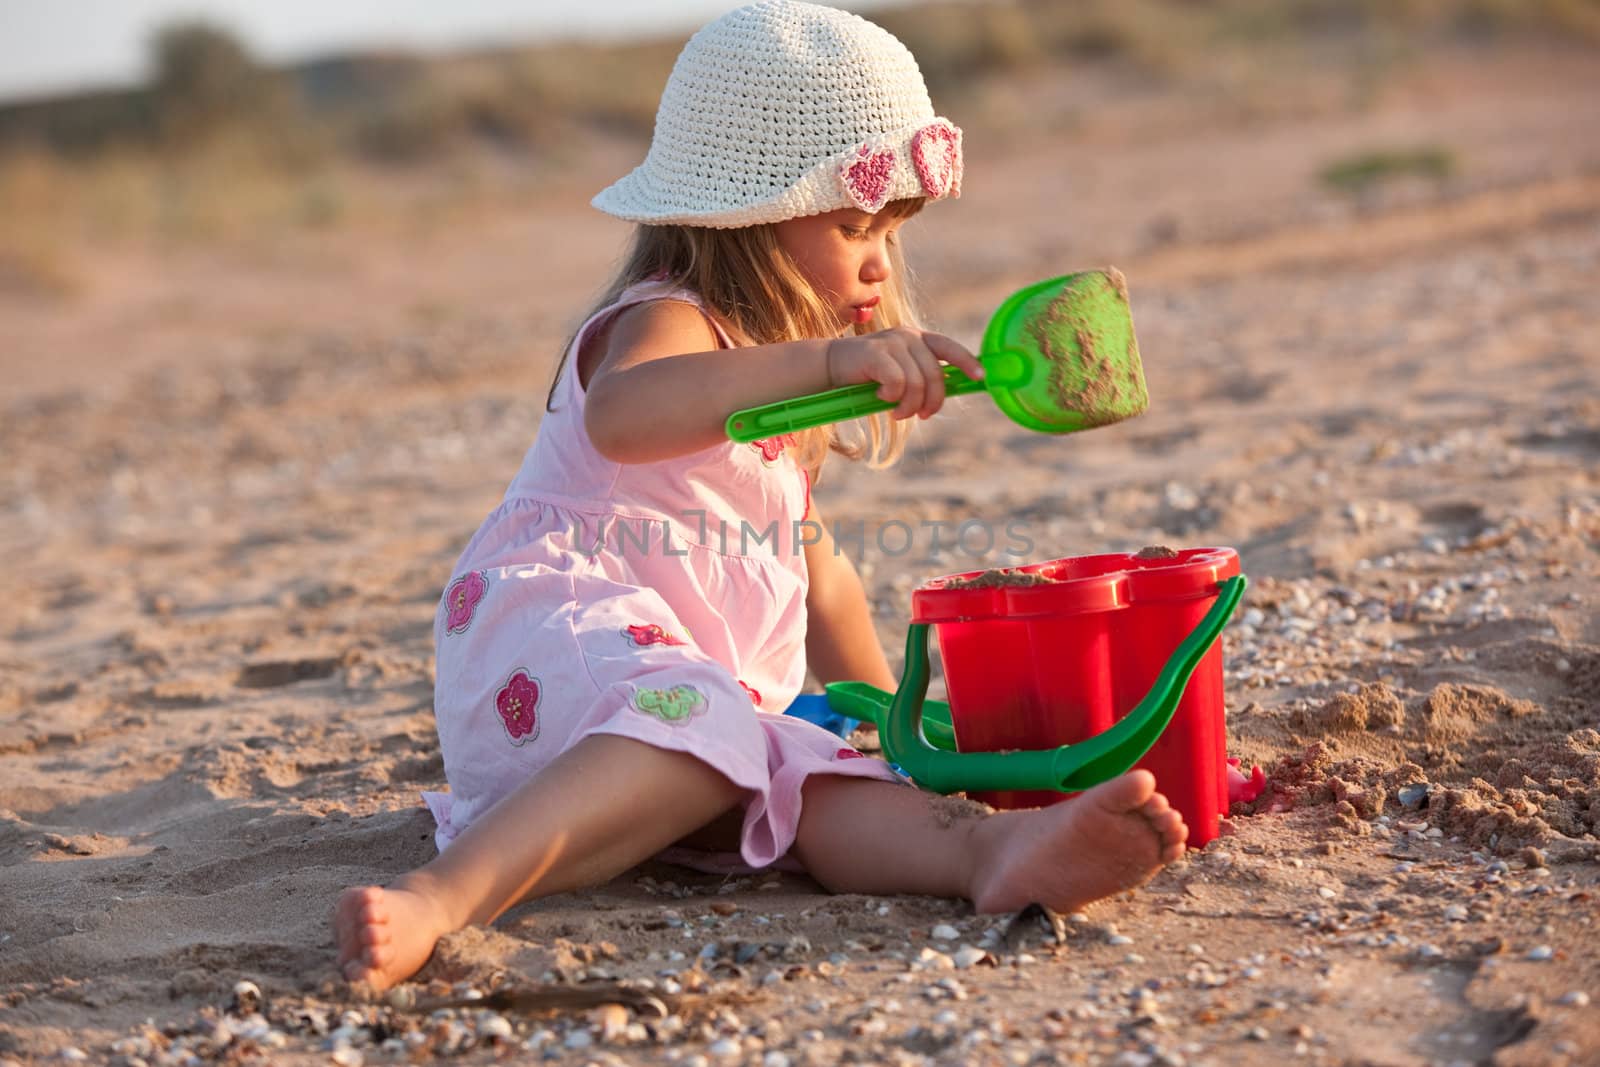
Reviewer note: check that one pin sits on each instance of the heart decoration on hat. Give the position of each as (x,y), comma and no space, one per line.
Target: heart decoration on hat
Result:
(868,177)
(936,153)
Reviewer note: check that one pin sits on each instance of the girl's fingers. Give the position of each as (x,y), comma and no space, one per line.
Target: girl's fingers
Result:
(892,381)
(915,386)
(932,378)
(953,352)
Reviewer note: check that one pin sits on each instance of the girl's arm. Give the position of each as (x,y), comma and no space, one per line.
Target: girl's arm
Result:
(841,642)
(664,389)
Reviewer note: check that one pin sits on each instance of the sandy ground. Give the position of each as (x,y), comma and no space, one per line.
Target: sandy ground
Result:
(235,480)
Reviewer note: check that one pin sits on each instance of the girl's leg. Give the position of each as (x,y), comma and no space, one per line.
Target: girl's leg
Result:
(601,807)
(864,836)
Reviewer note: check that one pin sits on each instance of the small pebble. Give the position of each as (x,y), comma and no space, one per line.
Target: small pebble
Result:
(1119,939)
(945,932)
(246,998)
(1575,999)
(612,1021)
(1541,952)
(345,1036)
(968,956)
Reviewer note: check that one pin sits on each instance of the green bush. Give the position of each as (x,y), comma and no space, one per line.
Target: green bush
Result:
(1361,172)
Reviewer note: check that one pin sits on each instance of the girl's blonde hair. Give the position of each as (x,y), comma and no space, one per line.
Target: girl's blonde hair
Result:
(757,293)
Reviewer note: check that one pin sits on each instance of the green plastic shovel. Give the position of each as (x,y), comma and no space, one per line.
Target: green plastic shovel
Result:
(917,735)
(1057,356)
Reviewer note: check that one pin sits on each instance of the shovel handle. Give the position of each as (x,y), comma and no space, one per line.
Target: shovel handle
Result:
(835,405)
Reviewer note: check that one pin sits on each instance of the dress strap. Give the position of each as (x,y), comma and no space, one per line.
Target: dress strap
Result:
(653,289)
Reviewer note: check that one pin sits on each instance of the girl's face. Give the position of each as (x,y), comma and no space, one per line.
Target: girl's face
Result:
(844,254)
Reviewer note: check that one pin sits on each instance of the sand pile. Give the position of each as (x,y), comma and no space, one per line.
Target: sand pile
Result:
(1495,771)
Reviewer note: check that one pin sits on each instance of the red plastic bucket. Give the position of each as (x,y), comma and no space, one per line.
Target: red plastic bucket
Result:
(1038,666)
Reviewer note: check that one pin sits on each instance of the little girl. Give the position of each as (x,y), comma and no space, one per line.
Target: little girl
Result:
(615,651)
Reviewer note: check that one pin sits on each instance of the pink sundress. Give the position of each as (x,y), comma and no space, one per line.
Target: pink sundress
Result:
(660,601)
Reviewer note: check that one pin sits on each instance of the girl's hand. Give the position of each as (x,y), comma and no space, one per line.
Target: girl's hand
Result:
(906,362)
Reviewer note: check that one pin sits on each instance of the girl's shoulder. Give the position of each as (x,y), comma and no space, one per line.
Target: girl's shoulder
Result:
(659,320)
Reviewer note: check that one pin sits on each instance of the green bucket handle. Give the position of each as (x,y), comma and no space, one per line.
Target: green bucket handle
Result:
(917,733)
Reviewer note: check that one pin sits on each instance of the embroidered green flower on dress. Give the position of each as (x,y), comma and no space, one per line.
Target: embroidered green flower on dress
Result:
(676,705)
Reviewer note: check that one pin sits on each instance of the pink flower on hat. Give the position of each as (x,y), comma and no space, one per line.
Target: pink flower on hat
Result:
(518,705)
(868,177)
(462,599)
(936,154)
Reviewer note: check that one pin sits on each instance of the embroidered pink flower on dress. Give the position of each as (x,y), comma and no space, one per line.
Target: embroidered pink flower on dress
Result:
(936,153)
(650,634)
(754,694)
(867,178)
(462,599)
(849,753)
(772,447)
(518,705)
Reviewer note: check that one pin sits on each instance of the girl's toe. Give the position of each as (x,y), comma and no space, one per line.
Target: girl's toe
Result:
(372,909)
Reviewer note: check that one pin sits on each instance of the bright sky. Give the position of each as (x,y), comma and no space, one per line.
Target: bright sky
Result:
(51,46)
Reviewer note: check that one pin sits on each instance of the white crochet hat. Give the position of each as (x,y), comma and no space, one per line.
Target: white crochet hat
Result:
(782,109)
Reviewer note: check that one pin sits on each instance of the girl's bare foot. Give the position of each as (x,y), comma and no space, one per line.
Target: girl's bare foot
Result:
(386,934)
(1108,839)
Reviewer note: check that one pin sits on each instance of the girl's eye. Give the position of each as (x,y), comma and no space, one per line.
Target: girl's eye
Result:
(854,233)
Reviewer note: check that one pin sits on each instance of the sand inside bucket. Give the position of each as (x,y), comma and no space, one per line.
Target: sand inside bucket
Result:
(995,579)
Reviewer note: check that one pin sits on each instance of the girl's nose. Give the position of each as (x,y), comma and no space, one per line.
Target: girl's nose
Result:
(875,268)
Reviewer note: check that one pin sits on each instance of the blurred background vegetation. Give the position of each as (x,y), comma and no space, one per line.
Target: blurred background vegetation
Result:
(217,144)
